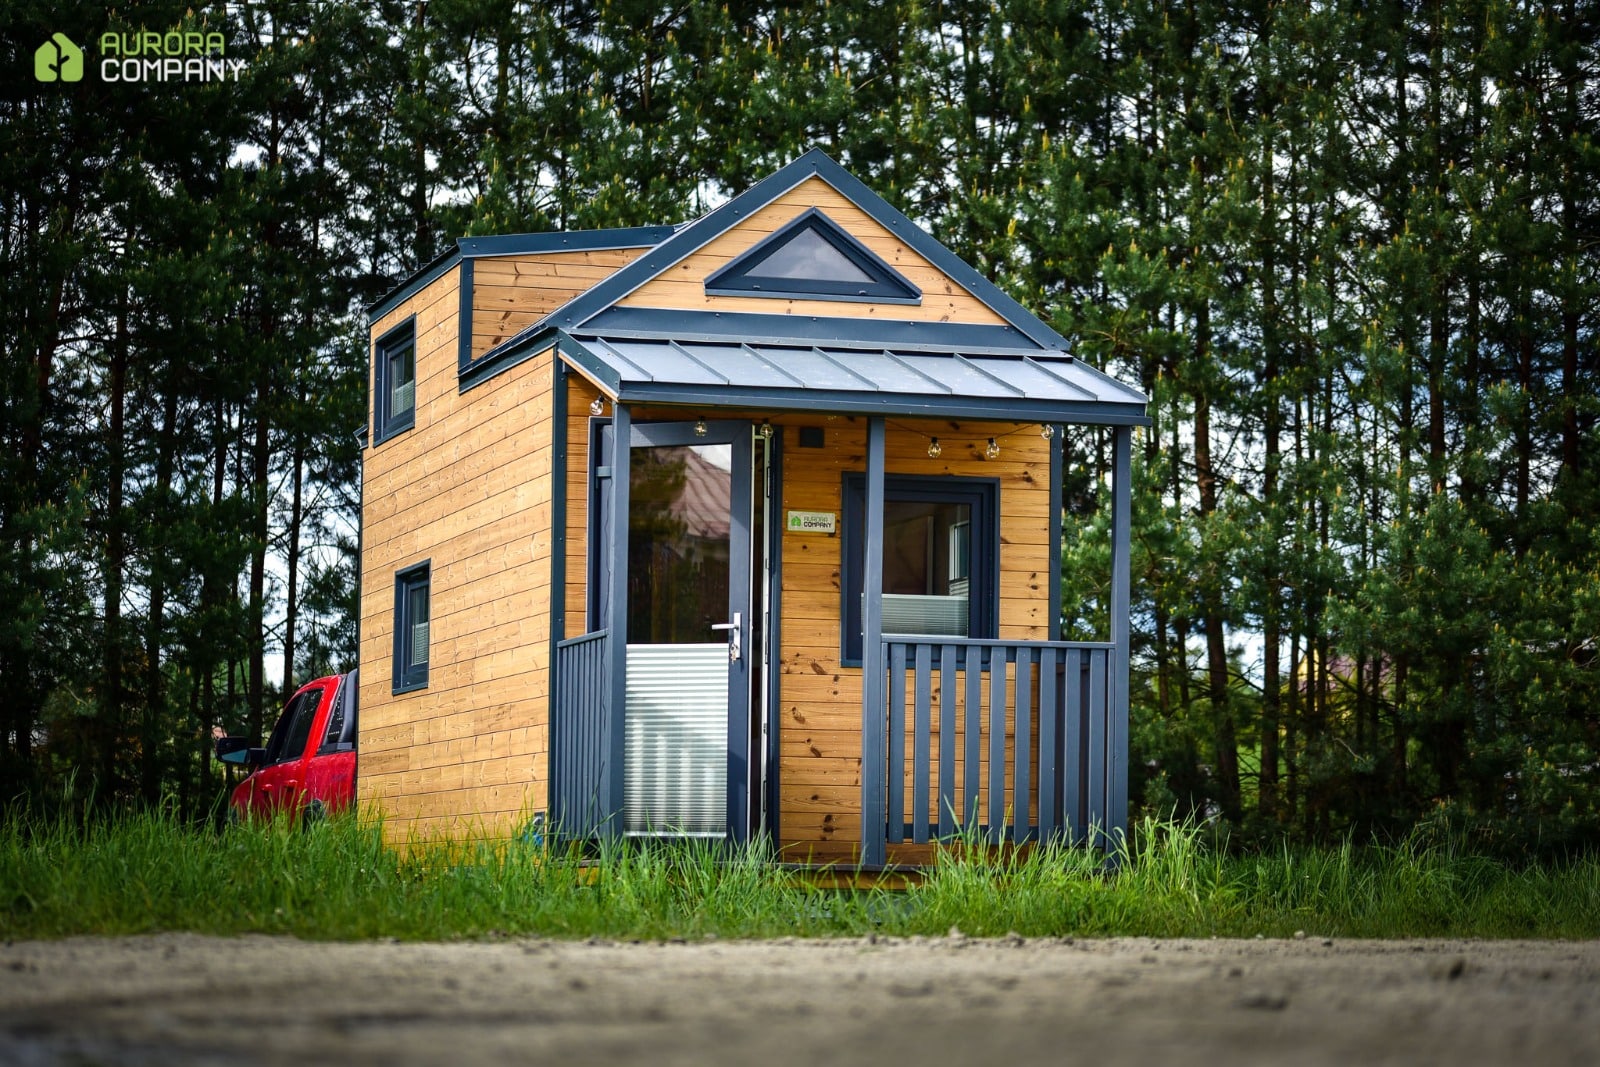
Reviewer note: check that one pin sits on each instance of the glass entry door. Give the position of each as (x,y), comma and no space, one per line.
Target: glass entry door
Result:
(687,720)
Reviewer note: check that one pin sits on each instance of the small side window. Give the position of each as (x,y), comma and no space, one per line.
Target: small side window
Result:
(411,620)
(394,361)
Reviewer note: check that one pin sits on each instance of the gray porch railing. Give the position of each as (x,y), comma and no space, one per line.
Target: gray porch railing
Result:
(1002,738)
(580,736)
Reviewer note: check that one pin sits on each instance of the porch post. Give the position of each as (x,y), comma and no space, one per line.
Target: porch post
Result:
(1057,468)
(1117,728)
(874,848)
(611,778)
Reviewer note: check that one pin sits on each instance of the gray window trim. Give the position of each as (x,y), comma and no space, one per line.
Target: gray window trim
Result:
(385,424)
(407,679)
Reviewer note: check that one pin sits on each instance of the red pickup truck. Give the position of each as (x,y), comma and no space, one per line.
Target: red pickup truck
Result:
(308,767)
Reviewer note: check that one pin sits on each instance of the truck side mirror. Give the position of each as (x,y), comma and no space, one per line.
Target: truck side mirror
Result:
(237,750)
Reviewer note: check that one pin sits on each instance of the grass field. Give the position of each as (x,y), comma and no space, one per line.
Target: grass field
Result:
(145,872)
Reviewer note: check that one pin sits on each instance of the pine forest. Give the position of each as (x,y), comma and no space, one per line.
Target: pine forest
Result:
(1351,251)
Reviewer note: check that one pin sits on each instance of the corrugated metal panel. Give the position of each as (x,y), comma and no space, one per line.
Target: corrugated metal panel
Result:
(675,769)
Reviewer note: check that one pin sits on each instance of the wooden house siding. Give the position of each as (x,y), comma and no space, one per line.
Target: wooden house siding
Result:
(510,293)
(683,285)
(468,488)
(819,744)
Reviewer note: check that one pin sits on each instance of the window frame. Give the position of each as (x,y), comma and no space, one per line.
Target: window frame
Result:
(386,423)
(301,708)
(888,286)
(408,674)
(981,495)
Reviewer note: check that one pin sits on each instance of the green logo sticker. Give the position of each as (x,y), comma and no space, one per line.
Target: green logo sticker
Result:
(58,59)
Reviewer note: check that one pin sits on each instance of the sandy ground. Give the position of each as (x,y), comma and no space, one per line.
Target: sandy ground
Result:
(182,999)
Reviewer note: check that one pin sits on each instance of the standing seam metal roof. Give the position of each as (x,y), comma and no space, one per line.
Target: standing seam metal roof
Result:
(1025,385)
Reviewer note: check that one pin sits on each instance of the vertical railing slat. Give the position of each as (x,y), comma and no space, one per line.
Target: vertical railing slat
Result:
(972,716)
(1095,712)
(1073,746)
(923,709)
(897,741)
(997,744)
(1049,740)
(1022,783)
(947,740)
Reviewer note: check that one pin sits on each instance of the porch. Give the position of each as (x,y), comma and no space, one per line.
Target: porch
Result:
(993,739)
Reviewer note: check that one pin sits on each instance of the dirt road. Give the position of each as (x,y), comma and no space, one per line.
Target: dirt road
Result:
(181,999)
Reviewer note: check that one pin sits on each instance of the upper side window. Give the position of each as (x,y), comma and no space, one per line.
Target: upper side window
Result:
(813,258)
(940,561)
(394,360)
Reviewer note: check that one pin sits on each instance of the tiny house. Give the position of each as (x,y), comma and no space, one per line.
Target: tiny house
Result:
(748,527)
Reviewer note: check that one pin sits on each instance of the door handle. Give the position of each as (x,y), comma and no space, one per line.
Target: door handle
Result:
(733,629)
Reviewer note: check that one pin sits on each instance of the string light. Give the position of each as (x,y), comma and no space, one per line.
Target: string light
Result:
(991,445)
(699,427)
(765,429)
(597,406)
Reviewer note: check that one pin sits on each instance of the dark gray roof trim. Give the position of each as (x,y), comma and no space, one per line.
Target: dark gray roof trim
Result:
(418,281)
(1019,385)
(512,244)
(564,241)
(578,311)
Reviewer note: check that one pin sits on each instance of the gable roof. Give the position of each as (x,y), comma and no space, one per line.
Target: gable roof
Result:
(1029,329)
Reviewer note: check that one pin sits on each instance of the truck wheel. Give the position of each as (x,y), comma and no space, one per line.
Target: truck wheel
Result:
(313,814)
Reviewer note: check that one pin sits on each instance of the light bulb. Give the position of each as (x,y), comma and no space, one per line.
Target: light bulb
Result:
(1047,431)
(934,448)
(992,449)
(699,427)
(597,406)
(765,430)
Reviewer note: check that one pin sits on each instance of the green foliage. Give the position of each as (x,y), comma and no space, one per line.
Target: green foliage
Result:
(146,872)
(1347,251)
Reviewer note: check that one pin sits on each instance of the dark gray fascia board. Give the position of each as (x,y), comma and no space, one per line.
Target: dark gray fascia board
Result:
(419,280)
(577,311)
(903,335)
(511,244)
(850,402)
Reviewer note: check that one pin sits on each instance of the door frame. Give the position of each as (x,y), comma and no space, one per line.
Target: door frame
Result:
(610,598)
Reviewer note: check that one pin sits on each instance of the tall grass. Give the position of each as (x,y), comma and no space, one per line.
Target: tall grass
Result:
(147,872)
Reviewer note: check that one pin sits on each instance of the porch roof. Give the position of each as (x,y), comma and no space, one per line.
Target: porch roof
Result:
(942,377)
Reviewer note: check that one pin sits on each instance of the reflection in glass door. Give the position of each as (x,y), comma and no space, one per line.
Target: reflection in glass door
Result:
(688,615)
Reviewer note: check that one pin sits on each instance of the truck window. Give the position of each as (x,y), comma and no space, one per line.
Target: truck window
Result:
(294,727)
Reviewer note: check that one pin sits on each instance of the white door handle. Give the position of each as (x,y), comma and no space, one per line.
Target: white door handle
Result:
(733,629)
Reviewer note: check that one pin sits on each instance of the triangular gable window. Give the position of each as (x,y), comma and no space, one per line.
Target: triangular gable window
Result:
(812,258)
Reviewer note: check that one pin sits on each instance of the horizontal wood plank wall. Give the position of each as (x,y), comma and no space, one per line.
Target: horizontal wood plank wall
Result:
(579,395)
(469,487)
(820,713)
(683,285)
(513,292)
